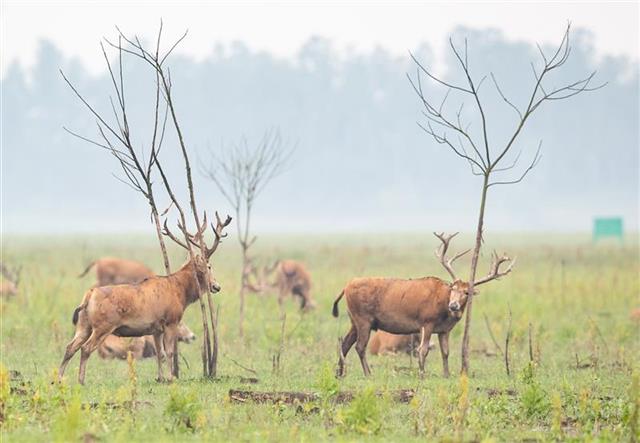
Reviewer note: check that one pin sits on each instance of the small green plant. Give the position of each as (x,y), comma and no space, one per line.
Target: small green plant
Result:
(534,398)
(326,382)
(463,405)
(133,381)
(556,425)
(363,415)
(632,414)
(183,411)
(68,424)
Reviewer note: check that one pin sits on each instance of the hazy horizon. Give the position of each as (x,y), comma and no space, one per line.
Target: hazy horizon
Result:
(362,164)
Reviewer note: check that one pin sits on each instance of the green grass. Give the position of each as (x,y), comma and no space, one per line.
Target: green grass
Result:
(577,296)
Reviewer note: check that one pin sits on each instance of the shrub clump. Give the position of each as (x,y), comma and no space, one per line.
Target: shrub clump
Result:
(363,415)
(184,412)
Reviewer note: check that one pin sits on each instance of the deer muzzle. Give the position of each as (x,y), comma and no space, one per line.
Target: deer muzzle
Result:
(215,287)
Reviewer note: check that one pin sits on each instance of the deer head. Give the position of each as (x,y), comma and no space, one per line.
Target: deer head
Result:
(460,289)
(201,259)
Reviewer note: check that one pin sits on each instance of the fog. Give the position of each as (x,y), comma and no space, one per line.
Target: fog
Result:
(361,162)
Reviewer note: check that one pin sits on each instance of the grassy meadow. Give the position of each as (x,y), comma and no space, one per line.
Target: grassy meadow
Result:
(573,298)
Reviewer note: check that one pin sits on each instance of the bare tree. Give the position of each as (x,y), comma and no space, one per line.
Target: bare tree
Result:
(241,175)
(446,127)
(116,138)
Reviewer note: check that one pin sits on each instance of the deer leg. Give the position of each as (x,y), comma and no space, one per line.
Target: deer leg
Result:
(423,349)
(169,339)
(443,338)
(157,341)
(81,336)
(87,349)
(361,347)
(347,342)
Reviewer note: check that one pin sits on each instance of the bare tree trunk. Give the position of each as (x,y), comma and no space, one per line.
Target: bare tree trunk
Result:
(214,352)
(243,285)
(474,268)
(163,246)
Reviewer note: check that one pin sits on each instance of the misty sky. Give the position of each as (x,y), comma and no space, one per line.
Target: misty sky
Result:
(333,80)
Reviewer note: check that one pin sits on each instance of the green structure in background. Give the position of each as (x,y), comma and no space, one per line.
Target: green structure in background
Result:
(607,227)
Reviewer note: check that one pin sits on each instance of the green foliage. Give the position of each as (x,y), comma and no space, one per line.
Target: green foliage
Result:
(363,415)
(535,402)
(575,312)
(68,425)
(632,412)
(326,382)
(183,411)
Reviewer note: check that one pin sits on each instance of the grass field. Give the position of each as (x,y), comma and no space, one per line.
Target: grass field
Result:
(575,297)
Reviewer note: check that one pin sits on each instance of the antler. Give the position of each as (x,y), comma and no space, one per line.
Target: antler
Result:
(169,234)
(441,253)
(217,231)
(495,268)
(195,238)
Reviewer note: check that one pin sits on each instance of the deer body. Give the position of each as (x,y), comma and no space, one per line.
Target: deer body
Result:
(293,278)
(140,347)
(8,289)
(400,306)
(153,307)
(426,305)
(11,279)
(115,271)
(386,343)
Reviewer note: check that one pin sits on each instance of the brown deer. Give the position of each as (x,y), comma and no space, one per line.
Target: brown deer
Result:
(385,343)
(10,281)
(292,278)
(152,307)
(425,305)
(117,271)
(140,347)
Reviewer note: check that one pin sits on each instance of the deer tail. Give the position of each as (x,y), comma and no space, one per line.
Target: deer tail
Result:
(76,312)
(335,304)
(87,269)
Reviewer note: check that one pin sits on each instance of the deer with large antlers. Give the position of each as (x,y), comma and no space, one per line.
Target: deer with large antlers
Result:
(152,307)
(426,305)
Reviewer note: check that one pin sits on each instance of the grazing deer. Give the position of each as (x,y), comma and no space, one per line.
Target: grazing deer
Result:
(140,347)
(117,271)
(152,307)
(426,305)
(385,343)
(11,279)
(292,278)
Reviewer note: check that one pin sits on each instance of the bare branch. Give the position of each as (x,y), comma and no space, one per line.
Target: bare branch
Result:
(534,162)
(436,79)
(441,253)
(515,108)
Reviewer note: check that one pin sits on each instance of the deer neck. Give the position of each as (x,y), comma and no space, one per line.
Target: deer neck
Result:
(188,283)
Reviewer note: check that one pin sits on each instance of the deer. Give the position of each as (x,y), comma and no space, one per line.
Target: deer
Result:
(154,306)
(11,279)
(385,343)
(408,306)
(292,278)
(115,271)
(140,347)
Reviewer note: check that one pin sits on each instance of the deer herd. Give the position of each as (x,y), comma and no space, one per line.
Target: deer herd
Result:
(132,310)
